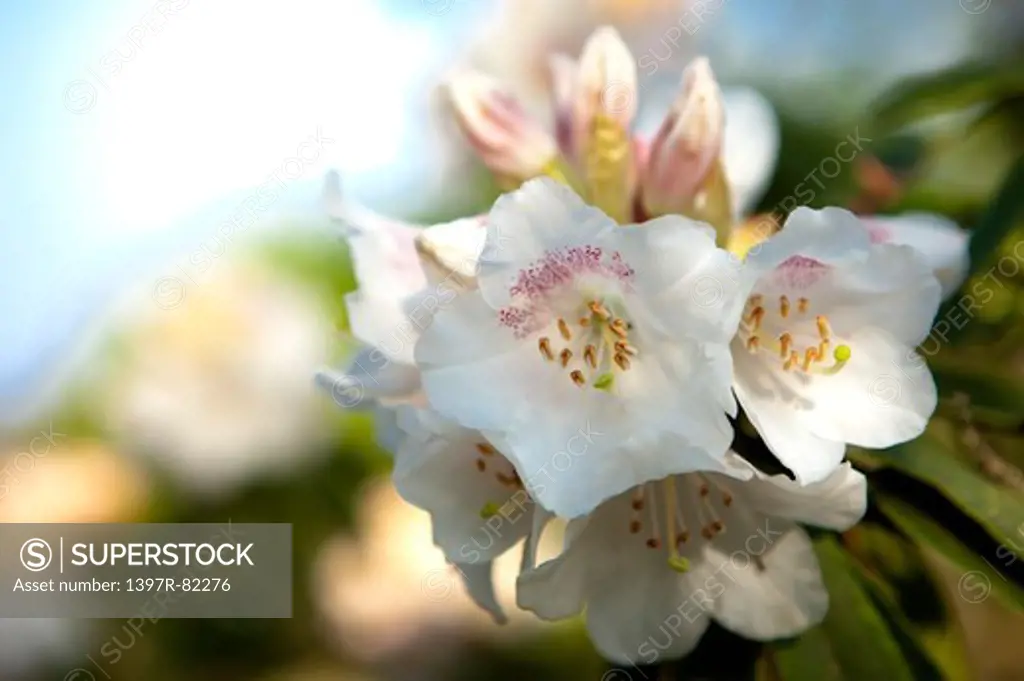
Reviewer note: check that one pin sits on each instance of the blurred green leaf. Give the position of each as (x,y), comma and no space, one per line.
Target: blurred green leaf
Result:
(837,649)
(989,387)
(931,460)
(954,89)
(1000,218)
(926,531)
(809,658)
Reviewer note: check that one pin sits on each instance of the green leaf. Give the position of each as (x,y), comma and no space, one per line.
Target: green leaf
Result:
(1000,218)
(930,459)
(836,650)
(926,532)
(995,225)
(951,90)
(991,390)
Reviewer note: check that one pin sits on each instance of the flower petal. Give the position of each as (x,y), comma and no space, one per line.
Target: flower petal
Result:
(633,599)
(542,215)
(941,241)
(751,146)
(883,396)
(479,581)
(696,288)
(775,409)
(837,503)
(441,475)
(777,592)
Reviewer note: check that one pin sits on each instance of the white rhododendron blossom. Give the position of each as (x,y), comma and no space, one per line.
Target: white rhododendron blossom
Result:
(567,356)
(824,355)
(653,566)
(582,325)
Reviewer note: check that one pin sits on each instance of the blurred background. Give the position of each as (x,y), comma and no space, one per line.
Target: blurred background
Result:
(169,284)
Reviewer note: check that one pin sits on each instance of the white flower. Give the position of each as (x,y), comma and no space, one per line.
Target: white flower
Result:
(652,566)
(477,504)
(217,390)
(941,241)
(824,355)
(405,272)
(580,325)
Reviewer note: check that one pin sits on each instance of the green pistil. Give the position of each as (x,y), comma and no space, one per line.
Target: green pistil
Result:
(489,510)
(604,381)
(679,564)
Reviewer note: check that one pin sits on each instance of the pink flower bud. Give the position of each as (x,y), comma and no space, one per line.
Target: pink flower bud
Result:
(687,144)
(508,141)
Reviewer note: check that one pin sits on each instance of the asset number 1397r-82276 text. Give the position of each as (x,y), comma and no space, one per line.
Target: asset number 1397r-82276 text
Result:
(179,584)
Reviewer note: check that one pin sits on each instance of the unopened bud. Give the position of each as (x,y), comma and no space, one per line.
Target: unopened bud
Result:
(604,110)
(509,142)
(607,80)
(687,145)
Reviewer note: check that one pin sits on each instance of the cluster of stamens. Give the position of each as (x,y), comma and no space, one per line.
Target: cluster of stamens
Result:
(503,473)
(677,531)
(606,346)
(807,359)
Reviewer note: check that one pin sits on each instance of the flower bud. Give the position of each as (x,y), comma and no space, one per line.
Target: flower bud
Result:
(687,145)
(604,109)
(607,82)
(508,141)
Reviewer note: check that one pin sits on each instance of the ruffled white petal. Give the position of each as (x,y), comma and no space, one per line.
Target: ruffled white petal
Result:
(750,148)
(773,589)
(883,396)
(837,503)
(941,241)
(777,411)
(695,288)
(543,215)
(439,474)
(637,608)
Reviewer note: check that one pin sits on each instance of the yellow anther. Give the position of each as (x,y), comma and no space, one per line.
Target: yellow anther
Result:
(622,362)
(481,465)
(545,348)
(599,310)
(635,526)
(810,354)
(563,329)
(584,321)
(755,317)
(783,306)
(565,356)
(753,343)
(625,348)
(577,377)
(590,354)
(618,326)
(802,304)
(785,341)
(486,449)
